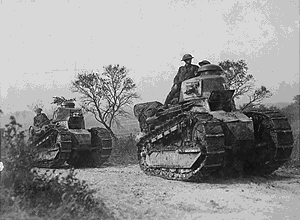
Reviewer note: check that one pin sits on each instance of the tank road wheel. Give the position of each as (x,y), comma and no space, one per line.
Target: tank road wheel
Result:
(77,159)
(85,158)
(273,143)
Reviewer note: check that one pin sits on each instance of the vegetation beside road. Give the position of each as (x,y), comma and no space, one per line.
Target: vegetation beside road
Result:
(26,193)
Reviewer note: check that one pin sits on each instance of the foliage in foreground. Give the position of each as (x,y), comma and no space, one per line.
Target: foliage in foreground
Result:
(28,193)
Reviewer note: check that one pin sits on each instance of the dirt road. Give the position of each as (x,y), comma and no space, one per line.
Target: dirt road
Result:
(130,194)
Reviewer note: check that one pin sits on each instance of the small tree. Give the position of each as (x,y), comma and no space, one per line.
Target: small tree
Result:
(256,98)
(296,99)
(35,105)
(292,111)
(106,95)
(49,112)
(243,83)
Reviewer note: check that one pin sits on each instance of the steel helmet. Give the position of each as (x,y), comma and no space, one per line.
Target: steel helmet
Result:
(38,110)
(186,57)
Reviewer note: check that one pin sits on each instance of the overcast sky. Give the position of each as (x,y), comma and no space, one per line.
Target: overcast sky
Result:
(44,43)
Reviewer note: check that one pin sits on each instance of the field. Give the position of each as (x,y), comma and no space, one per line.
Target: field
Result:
(130,194)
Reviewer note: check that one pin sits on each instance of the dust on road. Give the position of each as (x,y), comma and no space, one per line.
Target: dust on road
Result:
(130,194)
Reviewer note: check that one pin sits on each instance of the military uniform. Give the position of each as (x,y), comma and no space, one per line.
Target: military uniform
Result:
(185,72)
(40,120)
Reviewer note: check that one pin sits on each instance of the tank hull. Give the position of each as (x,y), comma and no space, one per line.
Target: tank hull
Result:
(191,146)
(201,134)
(75,147)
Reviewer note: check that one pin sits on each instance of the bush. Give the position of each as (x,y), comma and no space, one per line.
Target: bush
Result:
(124,151)
(31,193)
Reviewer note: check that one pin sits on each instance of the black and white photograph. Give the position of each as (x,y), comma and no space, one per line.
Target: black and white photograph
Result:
(149,110)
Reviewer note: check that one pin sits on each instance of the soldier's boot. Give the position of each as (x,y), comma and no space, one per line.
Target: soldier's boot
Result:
(169,98)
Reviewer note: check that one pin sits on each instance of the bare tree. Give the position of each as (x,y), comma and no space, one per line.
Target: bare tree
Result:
(35,105)
(243,83)
(256,98)
(106,95)
(50,112)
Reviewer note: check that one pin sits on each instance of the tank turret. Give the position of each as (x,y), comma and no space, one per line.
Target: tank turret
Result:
(69,104)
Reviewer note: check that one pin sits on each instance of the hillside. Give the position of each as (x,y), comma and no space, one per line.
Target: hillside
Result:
(279,105)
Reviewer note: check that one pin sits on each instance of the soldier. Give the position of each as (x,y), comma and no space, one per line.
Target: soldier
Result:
(40,119)
(185,72)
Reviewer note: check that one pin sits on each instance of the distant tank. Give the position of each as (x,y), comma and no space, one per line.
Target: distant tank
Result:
(65,140)
(203,134)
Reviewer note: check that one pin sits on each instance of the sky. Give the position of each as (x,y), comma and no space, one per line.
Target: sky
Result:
(44,43)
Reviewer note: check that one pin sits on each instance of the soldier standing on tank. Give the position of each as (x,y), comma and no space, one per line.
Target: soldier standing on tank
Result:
(185,72)
(40,119)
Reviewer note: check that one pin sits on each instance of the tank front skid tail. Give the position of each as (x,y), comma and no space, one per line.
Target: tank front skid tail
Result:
(64,150)
(274,135)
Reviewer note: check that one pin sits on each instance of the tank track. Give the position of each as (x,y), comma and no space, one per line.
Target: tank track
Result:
(102,147)
(274,140)
(64,151)
(211,143)
(106,144)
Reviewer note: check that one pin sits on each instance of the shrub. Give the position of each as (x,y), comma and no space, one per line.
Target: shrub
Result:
(38,193)
(124,151)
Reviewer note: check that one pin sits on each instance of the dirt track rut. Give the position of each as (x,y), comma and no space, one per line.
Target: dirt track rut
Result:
(130,194)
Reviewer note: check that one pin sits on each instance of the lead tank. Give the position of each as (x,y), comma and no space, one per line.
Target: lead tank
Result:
(66,140)
(203,134)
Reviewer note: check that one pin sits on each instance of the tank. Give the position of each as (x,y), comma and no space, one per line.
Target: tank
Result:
(66,140)
(203,134)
